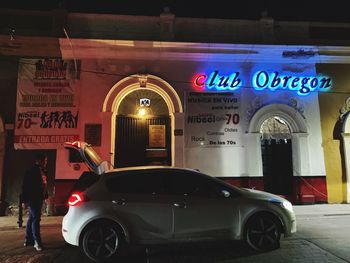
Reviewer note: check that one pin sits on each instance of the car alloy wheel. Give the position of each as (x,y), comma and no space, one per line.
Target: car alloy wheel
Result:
(263,233)
(101,241)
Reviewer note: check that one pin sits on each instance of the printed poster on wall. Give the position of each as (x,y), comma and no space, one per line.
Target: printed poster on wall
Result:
(47,104)
(156,136)
(212,119)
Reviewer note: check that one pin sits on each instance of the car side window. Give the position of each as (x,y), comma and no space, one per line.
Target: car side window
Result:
(187,183)
(135,183)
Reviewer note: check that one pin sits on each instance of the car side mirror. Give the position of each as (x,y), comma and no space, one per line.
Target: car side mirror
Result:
(225,193)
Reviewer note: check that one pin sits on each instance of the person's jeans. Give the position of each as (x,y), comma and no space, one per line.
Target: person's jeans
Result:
(33,223)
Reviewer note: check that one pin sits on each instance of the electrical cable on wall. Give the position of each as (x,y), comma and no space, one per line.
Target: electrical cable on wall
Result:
(311,187)
(71,45)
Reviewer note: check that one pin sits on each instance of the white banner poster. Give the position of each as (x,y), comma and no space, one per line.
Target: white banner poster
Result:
(47,104)
(212,119)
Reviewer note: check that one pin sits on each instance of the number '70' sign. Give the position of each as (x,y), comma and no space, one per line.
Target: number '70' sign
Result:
(26,123)
(234,118)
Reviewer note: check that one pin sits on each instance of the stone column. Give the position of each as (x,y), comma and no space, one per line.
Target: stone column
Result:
(300,153)
(178,142)
(108,137)
(253,154)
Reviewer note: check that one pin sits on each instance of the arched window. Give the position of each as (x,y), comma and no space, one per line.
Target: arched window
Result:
(143,99)
(275,128)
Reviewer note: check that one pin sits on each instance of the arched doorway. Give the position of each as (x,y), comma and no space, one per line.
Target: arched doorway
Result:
(276,151)
(143,129)
(165,111)
(292,125)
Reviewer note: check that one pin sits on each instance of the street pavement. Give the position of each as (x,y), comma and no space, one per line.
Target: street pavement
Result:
(326,226)
(322,236)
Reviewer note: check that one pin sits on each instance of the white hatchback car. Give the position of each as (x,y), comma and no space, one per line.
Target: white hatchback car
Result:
(160,204)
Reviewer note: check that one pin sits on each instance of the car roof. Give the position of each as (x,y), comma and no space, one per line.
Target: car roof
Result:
(152,167)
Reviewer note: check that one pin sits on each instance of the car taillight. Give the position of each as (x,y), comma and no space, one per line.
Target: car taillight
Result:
(77,144)
(76,199)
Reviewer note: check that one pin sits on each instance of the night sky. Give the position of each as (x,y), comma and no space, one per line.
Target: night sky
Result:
(293,10)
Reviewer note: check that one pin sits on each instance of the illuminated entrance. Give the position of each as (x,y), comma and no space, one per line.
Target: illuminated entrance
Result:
(143,130)
(157,101)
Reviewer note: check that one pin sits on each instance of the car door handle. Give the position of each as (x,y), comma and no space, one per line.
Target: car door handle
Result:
(180,205)
(119,202)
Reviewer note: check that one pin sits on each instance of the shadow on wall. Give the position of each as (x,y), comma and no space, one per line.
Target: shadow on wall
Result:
(3,208)
(337,131)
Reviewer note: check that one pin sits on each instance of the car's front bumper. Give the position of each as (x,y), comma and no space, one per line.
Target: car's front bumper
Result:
(292,229)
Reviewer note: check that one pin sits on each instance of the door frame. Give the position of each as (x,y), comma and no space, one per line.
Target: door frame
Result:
(136,133)
(299,132)
(141,82)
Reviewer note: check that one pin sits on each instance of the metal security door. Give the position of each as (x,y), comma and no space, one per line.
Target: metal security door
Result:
(277,166)
(132,142)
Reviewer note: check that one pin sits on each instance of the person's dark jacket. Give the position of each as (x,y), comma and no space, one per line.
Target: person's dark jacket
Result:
(33,189)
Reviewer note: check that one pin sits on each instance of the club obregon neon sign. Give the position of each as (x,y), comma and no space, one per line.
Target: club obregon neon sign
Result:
(262,80)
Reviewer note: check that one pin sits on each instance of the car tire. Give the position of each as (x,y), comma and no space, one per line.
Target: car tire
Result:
(263,233)
(102,241)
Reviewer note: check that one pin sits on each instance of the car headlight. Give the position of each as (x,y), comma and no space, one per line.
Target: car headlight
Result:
(285,204)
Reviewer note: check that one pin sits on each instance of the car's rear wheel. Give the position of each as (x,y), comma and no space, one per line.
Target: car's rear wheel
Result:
(263,232)
(102,241)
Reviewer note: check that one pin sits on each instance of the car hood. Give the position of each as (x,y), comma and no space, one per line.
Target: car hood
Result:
(261,195)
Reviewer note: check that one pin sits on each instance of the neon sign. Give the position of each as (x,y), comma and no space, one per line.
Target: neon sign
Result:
(215,81)
(262,80)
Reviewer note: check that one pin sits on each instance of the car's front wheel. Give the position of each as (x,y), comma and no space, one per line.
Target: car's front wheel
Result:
(263,233)
(102,241)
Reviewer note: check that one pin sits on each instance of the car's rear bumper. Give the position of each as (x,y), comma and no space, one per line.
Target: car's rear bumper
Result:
(70,228)
(77,218)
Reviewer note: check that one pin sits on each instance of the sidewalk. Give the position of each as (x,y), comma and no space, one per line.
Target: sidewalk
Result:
(322,209)
(10,222)
(327,244)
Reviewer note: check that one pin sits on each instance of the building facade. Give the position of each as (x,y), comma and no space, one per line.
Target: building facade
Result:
(260,104)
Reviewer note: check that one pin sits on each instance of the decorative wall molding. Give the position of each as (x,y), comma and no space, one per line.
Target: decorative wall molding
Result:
(344,109)
(143,81)
(255,105)
(297,105)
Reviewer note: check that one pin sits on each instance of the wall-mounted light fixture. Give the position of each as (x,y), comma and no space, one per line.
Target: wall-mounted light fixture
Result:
(144,107)
(141,112)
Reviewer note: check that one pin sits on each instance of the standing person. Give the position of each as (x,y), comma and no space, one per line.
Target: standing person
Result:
(34,192)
